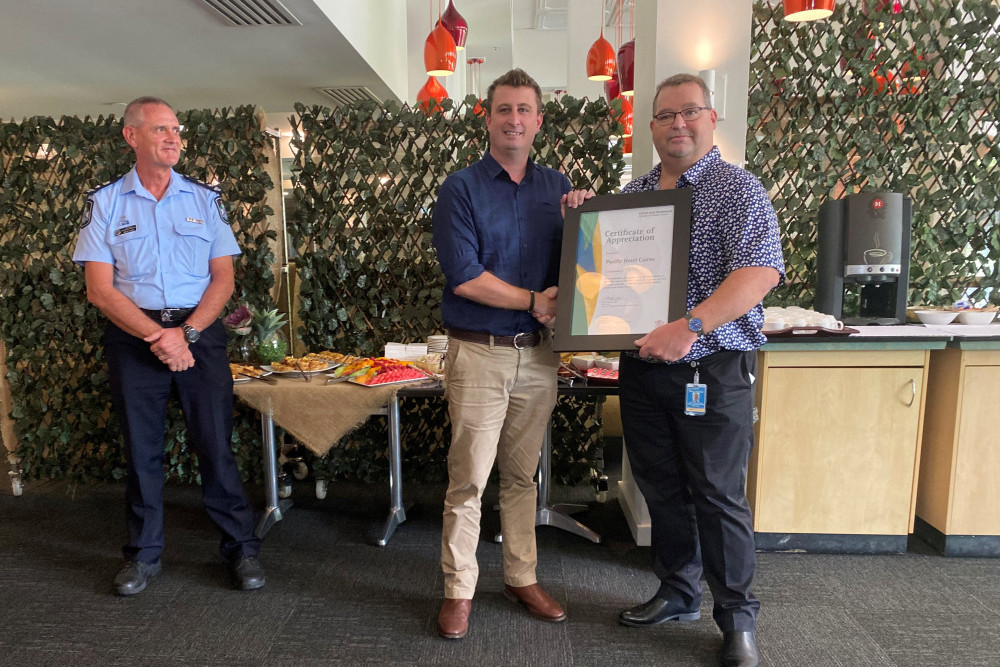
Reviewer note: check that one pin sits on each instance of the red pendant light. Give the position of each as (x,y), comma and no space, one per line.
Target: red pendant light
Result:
(626,55)
(807,10)
(455,24)
(601,57)
(440,54)
(626,117)
(611,89)
(431,95)
(626,68)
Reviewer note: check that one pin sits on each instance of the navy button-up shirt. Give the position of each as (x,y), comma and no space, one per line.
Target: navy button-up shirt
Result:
(483,221)
(733,225)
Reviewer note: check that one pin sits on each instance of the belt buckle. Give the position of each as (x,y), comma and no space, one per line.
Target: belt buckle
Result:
(165,315)
(515,343)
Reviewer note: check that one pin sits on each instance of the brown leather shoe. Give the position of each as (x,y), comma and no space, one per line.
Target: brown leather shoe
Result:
(537,601)
(453,621)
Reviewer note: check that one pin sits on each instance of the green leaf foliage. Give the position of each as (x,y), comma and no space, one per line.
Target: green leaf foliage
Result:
(872,99)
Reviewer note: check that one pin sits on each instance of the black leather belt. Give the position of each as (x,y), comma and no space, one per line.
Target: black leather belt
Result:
(518,341)
(175,315)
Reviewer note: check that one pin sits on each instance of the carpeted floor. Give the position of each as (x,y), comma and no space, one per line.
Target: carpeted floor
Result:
(332,599)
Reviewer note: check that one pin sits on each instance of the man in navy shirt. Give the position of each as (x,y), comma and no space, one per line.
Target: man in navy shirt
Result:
(498,231)
(157,252)
(681,459)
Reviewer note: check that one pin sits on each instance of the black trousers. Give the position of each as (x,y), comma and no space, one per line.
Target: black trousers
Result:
(141,386)
(692,472)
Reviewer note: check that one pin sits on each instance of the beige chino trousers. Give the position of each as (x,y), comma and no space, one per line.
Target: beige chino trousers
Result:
(499,400)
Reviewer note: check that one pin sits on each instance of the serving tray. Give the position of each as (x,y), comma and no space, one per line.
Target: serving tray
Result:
(805,332)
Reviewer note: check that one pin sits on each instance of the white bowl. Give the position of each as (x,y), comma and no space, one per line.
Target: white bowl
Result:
(935,316)
(976,316)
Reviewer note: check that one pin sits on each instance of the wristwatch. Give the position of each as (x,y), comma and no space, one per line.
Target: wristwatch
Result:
(191,335)
(694,324)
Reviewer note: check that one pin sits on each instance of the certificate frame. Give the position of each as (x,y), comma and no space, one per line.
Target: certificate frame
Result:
(627,267)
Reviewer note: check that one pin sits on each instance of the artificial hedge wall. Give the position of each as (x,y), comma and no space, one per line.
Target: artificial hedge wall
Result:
(57,373)
(366,179)
(903,97)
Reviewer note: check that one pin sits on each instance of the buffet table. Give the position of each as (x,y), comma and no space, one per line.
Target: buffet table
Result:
(319,415)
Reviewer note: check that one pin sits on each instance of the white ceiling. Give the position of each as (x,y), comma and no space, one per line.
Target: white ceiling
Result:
(90,57)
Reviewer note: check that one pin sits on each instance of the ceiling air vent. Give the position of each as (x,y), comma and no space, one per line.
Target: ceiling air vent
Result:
(253,12)
(344,95)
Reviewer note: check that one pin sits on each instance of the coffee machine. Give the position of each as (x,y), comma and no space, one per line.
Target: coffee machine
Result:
(863,244)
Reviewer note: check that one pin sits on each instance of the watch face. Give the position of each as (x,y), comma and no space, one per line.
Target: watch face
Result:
(694,324)
(191,334)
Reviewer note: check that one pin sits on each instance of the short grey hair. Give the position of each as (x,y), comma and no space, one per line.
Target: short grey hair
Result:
(133,112)
(680,80)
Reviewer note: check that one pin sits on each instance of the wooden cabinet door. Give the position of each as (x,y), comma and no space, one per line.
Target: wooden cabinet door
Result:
(976,486)
(837,450)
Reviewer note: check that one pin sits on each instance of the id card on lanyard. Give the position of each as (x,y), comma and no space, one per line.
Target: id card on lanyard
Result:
(695,396)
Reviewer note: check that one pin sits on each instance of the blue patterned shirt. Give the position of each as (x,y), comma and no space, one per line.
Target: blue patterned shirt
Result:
(733,226)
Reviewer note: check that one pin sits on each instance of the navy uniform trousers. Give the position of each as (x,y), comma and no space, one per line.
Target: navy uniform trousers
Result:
(140,388)
(692,472)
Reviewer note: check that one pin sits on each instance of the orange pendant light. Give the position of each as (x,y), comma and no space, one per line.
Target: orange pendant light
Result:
(807,10)
(601,57)
(431,95)
(474,68)
(440,54)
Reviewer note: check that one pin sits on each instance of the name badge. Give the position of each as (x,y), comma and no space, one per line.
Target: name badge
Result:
(124,230)
(695,396)
(196,221)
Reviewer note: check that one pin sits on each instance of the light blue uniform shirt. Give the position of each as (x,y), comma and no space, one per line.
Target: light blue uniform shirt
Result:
(159,249)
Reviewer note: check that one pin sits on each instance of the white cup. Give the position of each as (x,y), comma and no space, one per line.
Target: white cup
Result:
(832,322)
(797,321)
(773,324)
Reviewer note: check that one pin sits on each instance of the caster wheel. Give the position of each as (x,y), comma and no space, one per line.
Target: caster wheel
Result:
(321,488)
(301,470)
(285,490)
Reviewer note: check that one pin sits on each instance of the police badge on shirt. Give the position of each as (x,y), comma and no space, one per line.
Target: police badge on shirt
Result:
(88,212)
(222,209)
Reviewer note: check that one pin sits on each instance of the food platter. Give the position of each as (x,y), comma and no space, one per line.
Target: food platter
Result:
(240,373)
(393,375)
(387,384)
(243,378)
(330,365)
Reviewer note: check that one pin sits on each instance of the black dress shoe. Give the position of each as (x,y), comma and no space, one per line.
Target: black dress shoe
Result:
(739,649)
(658,611)
(132,578)
(247,572)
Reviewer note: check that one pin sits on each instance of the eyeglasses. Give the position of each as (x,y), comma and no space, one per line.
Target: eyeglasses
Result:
(689,114)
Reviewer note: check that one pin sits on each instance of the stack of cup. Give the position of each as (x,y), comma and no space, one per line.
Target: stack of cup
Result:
(796,317)
(437,344)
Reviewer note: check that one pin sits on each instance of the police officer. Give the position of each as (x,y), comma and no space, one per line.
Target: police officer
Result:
(157,254)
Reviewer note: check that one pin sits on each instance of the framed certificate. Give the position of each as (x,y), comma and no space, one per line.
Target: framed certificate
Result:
(623,269)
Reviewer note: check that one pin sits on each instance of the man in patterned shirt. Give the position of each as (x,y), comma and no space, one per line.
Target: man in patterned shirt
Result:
(692,469)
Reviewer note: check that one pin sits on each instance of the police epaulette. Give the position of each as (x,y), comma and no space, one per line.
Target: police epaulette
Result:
(93,190)
(214,188)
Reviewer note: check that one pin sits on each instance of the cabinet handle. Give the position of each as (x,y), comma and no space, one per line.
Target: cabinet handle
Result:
(913,388)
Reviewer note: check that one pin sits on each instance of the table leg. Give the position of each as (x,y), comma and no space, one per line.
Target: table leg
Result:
(397,512)
(275,508)
(556,515)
